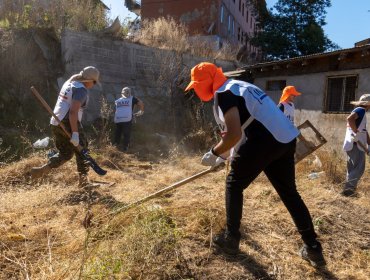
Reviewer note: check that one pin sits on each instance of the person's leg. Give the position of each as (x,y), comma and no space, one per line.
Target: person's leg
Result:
(281,174)
(117,134)
(82,166)
(249,161)
(65,153)
(126,134)
(355,169)
(64,146)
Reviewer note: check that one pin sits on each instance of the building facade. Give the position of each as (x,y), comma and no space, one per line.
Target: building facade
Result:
(328,83)
(234,21)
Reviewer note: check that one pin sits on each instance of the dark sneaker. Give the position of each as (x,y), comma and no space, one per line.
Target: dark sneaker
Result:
(348,192)
(313,254)
(229,244)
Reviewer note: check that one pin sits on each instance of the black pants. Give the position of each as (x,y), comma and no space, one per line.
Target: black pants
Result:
(276,159)
(125,129)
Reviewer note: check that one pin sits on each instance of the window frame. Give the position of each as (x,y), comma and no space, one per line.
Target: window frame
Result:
(343,93)
(229,23)
(282,84)
(222,13)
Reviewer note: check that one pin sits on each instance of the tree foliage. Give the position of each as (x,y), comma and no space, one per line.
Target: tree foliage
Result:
(294,28)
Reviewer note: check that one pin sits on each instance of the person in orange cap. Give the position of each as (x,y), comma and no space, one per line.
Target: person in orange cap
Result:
(256,137)
(286,104)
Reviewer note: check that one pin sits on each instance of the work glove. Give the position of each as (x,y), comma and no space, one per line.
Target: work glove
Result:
(355,137)
(75,140)
(139,113)
(210,159)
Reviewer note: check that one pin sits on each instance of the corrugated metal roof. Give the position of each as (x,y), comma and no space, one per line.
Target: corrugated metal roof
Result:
(307,57)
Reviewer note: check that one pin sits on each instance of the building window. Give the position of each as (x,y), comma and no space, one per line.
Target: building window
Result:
(247,18)
(240,5)
(239,36)
(228,23)
(222,14)
(275,85)
(243,10)
(340,92)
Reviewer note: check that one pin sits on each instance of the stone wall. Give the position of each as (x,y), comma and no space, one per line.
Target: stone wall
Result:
(154,75)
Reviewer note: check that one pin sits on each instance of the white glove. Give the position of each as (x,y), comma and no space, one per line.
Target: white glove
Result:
(355,137)
(139,113)
(210,159)
(75,140)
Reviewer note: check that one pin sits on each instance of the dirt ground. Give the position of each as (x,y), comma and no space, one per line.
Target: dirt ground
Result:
(44,233)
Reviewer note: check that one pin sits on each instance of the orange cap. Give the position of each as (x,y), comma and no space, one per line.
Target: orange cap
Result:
(206,78)
(287,91)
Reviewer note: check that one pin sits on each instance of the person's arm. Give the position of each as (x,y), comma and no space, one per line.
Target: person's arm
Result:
(233,134)
(140,104)
(351,119)
(73,115)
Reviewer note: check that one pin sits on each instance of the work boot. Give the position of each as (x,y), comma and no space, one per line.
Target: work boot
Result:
(228,243)
(313,254)
(348,192)
(38,172)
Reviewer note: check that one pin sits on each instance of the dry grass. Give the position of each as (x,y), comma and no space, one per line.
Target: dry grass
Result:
(166,33)
(83,15)
(42,236)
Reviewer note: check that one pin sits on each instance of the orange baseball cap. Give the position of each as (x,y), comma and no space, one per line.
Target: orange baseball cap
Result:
(206,78)
(287,91)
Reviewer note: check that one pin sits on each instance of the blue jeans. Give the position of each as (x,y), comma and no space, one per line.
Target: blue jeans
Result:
(355,167)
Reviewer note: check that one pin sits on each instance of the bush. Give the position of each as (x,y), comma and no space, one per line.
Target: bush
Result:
(80,15)
(166,33)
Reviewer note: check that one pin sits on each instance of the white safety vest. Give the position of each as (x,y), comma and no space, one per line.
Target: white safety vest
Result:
(289,110)
(123,110)
(261,107)
(348,143)
(64,102)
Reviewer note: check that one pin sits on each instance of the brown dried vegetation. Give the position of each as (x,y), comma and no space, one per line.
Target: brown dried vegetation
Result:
(43,237)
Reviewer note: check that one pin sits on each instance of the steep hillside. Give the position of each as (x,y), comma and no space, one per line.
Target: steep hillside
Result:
(42,234)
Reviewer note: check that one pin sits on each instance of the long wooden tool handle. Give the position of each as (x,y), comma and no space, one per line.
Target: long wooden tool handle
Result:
(165,190)
(50,111)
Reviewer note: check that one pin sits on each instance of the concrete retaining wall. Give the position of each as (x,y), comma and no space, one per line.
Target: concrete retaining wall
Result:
(153,74)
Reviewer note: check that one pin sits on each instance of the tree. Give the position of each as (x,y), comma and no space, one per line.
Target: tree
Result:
(295,29)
